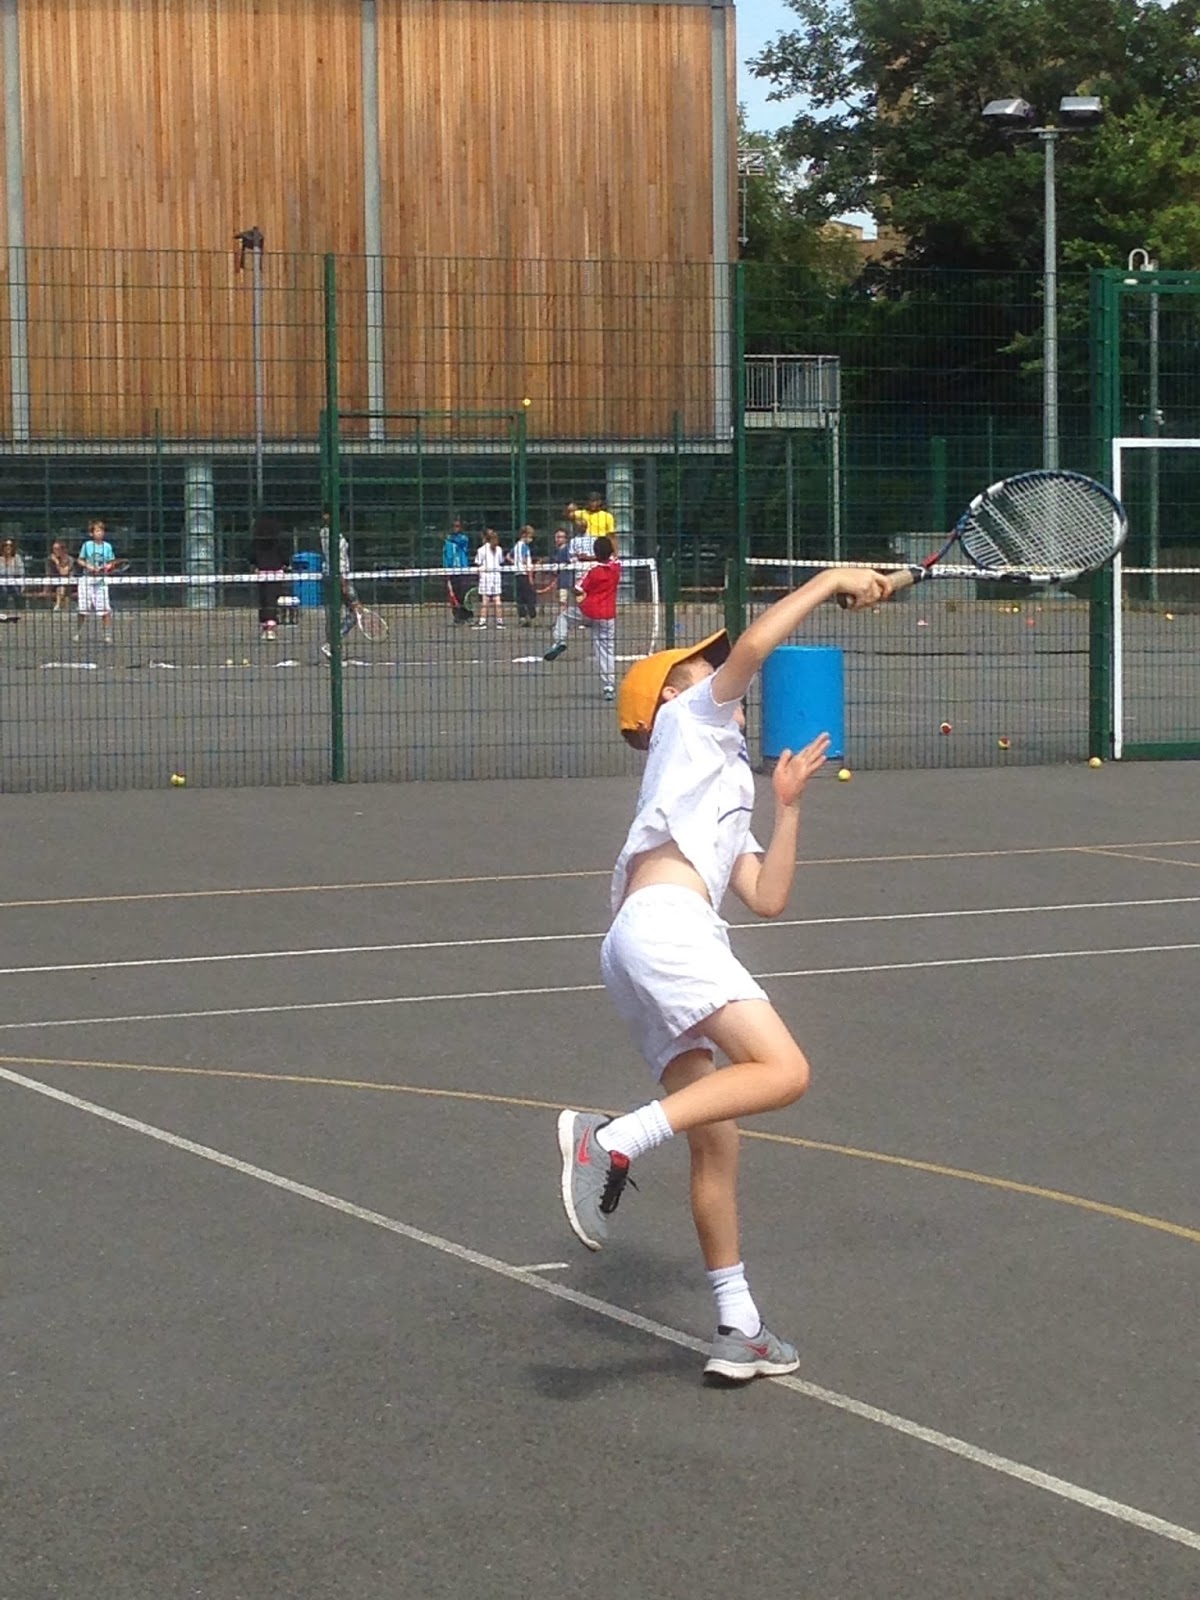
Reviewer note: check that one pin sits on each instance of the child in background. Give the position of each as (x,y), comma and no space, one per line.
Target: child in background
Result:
(96,559)
(667,964)
(522,565)
(595,608)
(489,558)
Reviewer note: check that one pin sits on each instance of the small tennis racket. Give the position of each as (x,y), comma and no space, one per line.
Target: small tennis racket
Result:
(371,624)
(1037,528)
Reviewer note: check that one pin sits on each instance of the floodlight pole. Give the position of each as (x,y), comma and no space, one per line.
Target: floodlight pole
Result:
(1015,116)
(1049,138)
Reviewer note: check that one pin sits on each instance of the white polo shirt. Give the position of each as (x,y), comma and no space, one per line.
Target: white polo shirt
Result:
(697,790)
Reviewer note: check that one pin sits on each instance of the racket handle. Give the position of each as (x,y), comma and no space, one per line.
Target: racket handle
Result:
(904,579)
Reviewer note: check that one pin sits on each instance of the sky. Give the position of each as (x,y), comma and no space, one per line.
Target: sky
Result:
(758,22)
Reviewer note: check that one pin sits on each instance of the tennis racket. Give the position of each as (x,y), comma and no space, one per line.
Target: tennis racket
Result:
(371,624)
(1037,528)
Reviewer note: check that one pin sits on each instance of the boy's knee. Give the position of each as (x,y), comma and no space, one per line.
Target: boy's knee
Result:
(795,1075)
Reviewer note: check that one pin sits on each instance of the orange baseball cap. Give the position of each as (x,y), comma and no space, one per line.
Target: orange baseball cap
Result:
(642,686)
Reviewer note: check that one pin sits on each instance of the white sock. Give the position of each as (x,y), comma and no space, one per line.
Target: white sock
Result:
(636,1132)
(735,1303)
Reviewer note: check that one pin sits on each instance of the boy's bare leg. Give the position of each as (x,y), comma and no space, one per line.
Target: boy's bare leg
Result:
(715,1151)
(769,1069)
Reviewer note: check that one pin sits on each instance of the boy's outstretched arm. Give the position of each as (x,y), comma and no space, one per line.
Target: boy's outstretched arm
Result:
(780,621)
(763,883)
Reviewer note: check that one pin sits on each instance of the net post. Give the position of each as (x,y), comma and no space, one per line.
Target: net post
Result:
(333,591)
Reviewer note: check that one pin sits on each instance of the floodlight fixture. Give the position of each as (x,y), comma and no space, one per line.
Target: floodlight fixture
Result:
(1081,110)
(1010,113)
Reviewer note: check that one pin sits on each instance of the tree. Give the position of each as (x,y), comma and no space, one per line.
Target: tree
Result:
(894,91)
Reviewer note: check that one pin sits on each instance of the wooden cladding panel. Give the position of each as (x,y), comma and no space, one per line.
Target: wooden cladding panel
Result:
(154,130)
(5,267)
(531,152)
(569,142)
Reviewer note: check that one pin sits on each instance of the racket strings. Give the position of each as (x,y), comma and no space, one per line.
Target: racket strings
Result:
(1043,523)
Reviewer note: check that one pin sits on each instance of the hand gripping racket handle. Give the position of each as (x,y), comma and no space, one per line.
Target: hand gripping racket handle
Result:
(904,579)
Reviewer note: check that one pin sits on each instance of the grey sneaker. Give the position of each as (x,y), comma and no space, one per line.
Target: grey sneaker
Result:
(554,652)
(741,1356)
(592,1178)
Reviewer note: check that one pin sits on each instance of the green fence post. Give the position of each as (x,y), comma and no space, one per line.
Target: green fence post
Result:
(668,576)
(1100,676)
(521,486)
(333,587)
(938,471)
(736,593)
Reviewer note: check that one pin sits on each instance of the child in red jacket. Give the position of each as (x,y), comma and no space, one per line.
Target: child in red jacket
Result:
(594,607)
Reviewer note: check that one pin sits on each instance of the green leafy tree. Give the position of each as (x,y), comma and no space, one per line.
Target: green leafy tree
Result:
(893,91)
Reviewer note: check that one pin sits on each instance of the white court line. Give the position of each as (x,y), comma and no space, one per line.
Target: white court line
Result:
(584,988)
(569,938)
(527,1277)
(897,859)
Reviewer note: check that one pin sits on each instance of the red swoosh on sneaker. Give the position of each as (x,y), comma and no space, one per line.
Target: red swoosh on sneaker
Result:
(760,1349)
(581,1155)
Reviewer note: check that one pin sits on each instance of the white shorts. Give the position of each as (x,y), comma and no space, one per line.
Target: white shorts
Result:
(93,595)
(667,966)
(489,583)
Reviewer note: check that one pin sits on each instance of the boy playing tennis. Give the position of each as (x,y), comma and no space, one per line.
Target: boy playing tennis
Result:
(666,961)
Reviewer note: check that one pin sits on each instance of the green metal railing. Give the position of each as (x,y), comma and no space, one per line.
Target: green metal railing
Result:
(938,391)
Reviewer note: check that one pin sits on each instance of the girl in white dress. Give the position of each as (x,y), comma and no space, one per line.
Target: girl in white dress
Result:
(489,558)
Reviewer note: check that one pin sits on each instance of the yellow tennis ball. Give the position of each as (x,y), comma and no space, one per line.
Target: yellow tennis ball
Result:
(178,779)
(845,775)
(1004,744)
(1095,762)
(527,402)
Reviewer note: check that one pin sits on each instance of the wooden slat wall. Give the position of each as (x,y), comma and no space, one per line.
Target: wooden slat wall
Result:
(530,153)
(164,126)
(5,343)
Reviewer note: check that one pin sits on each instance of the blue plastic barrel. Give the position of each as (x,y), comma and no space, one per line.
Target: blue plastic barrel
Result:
(309,591)
(803,695)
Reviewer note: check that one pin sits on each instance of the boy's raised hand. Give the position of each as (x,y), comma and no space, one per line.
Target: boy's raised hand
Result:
(792,772)
(860,586)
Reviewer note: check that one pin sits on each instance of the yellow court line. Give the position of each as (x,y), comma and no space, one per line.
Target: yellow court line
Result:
(591,872)
(1119,853)
(933,1169)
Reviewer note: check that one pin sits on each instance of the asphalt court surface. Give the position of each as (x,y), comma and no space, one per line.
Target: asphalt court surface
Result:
(306,1318)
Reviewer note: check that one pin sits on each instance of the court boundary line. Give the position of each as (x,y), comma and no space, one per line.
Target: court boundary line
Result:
(761,926)
(807,864)
(934,1169)
(977,1455)
(541,991)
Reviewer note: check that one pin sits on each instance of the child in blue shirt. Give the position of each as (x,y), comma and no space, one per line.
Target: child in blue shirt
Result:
(96,560)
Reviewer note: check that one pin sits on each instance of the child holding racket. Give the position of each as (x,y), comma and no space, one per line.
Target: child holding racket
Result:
(96,560)
(666,961)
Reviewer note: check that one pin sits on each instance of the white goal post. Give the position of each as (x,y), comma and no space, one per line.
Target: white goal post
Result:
(1120,570)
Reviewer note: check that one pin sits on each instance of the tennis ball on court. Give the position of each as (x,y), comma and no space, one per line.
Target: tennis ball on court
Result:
(1169,616)
(527,402)
(845,775)
(1095,762)
(178,780)
(1004,744)
(947,727)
